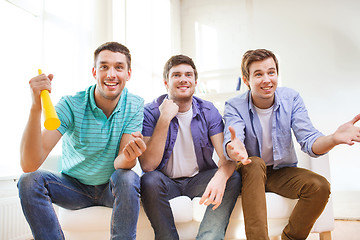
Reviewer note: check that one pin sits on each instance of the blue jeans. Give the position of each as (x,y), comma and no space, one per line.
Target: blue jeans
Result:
(39,189)
(157,189)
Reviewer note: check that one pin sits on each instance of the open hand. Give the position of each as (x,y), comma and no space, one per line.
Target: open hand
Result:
(214,192)
(348,133)
(236,149)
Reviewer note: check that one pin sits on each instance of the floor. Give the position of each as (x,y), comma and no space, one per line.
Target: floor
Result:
(344,230)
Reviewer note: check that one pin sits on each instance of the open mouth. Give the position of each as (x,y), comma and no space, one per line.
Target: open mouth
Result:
(111,84)
(183,87)
(266,88)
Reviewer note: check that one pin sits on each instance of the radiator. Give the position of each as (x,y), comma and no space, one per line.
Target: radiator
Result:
(13,225)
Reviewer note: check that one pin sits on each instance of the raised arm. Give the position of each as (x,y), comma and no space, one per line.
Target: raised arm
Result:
(36,144)
(155,144)
(215,189)
(347,133)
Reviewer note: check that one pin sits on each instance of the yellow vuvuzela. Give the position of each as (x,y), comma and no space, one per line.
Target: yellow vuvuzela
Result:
(52,121)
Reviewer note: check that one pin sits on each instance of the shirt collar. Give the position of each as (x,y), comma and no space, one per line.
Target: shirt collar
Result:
(91,94)
(276,102)
(195,104)
(251,105)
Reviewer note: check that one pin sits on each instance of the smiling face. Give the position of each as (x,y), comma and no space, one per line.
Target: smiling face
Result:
(263,80)
(111,73)
(181,83)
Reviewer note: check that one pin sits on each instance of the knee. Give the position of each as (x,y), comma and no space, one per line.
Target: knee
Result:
(324,187)
(151,182)
(28,182)
(125,178)
(257,165)
(256,162)
(319,186)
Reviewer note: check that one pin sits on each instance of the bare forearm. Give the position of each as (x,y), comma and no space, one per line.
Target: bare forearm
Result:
(226,168)
(31,156)
(155,146)
(323,144)
(122,163)
(346,133)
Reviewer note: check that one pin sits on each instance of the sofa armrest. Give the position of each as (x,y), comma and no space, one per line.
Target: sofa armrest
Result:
(320,165)
(325,222)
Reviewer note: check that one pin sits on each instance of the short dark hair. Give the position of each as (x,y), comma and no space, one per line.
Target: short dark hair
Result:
(177,60)
(114,47)
(254,56)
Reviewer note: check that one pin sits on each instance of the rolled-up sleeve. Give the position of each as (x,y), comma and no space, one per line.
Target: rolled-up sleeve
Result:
(304,131)
(232,118)
(150,120)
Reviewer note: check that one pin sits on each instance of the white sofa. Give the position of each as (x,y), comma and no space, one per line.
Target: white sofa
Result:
(94,222)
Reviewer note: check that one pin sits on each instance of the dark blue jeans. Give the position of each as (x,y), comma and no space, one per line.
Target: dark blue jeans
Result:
(157,189)
(39,189)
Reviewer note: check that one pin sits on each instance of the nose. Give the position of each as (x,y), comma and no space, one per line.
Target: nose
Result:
(111,73)
(183,78)
(266,78)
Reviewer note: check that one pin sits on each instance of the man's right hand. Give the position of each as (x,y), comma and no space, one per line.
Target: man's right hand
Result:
(236,149)
(168,109)
(39,83)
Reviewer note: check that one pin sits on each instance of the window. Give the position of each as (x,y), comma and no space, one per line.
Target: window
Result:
(60,42)
(60,37)
(20,47)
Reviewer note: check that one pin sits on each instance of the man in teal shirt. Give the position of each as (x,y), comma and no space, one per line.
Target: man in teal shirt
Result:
(101,142)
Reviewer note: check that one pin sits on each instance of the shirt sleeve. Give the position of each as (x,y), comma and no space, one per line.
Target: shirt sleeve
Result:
(304,131)
(64,112)
(233,118)
(216,124)
(150,121)
(135,124)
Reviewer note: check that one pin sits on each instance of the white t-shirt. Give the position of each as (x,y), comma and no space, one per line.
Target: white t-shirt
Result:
(265,116)
(182,162)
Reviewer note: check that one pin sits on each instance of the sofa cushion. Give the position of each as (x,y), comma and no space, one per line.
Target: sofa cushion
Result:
(277,207)
(96,218)
(182,208)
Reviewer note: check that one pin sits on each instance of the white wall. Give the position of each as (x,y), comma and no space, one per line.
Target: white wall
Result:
(317,42)
(152,35)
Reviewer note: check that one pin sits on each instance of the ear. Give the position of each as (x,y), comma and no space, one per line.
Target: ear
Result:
(129,75)
(94,72)
(166,84)
(246,82)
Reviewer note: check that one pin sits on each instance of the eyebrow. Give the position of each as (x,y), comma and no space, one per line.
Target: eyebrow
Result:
(181,72)
(258,70)
(117,63)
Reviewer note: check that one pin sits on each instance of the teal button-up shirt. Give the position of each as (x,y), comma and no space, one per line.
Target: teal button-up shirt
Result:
(90,139)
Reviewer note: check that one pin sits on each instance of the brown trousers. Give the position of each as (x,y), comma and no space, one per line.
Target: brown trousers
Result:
(311,189)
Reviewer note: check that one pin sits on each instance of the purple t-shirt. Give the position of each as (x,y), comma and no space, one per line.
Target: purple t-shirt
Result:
(206,122)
